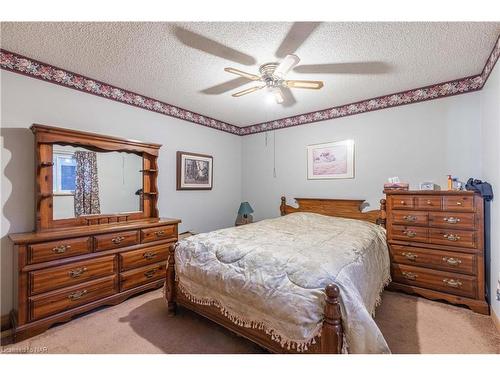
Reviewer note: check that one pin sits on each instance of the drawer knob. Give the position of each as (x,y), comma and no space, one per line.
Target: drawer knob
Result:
(410,233)
(453,283)
(77,295)
(459,203)
(117,240)
(61,249)
(410,275)
(149,255)
(160,233)
(402,202)
(451,220)
(429,201)
(452,261)
(410,256)
(451,237)
(410,218)
(149,274)
(77,272)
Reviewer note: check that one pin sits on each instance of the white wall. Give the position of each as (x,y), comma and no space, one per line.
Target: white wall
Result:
(25,101)
(490,153)
(417,142)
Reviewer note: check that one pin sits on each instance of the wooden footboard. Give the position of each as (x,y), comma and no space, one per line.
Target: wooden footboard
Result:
(330,341)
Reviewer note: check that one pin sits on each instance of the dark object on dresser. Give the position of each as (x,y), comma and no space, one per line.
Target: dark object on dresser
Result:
(483,188)
(436,241)
(70,266)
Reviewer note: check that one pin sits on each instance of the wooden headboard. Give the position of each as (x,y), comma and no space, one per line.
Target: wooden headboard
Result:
(346,208)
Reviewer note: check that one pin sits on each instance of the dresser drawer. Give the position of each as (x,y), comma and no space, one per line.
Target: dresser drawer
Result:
(408,233)
(409,217)
(159,233)
(54,302)
(402,202)
(441,260)
(460,238)
(43,252)
(70,274)
(143,257)
(430,203)
(143,275)
(459,220)
(458,203)
(461,285)
(115,240)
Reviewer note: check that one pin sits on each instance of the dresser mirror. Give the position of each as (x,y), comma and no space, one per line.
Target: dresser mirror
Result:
(87,182)
(87,179)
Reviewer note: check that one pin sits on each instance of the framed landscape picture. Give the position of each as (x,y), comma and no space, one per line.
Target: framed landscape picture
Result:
(194,171)
(330,160)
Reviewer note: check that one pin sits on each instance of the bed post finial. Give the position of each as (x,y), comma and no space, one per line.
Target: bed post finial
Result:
(382,218)
(283,206)
(170,281)
(332,332)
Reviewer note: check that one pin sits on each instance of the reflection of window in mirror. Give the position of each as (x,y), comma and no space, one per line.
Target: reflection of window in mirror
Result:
(64,173)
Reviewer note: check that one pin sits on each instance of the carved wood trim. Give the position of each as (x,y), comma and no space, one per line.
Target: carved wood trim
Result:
(345,208)
(47,136)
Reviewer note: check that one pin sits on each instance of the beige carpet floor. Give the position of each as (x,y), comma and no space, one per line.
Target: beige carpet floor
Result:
(140,325)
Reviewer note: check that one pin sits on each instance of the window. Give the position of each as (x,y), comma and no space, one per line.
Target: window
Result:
(64,173)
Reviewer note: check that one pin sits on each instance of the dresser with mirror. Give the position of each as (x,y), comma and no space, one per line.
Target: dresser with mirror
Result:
(98,238)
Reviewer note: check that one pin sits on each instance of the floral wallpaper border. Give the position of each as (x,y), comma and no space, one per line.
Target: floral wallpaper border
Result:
(440,90)
(24,65)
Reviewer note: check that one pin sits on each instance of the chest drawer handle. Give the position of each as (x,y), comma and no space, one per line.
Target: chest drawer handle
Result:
(453,283)
(410,275)
(160,233)
(410,256)
(452,220)
(452,261)
(451,237)
(429,202)
(459,203)
(149,255)
(77,295)
(410,233)
(403,202)
(149,274)
(77,272)
(61,249)
(410,218)
(117,240)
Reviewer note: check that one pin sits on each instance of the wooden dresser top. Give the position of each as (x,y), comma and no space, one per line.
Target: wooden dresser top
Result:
(429,192)
(53,234)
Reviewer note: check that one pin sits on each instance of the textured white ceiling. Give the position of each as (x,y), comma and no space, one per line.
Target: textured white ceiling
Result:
(154,59)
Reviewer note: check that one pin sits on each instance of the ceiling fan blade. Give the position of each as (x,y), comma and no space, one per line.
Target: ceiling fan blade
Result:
(247,91)
(210,46)
(297,35)
(296,84)
(368,67)
(225,86)
(288,98)
(286,65)
(278,95)
(251,77)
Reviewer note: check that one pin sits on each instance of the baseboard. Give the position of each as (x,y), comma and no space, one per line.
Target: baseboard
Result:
(496,320)
(5,322)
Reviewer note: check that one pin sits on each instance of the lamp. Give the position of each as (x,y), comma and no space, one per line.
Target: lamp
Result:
(244,212)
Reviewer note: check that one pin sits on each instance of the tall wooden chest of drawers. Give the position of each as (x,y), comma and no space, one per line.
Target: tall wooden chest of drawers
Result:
(436,242)
(65,272)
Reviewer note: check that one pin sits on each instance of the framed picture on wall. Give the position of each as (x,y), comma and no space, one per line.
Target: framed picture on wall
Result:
(330,160)
(194,171)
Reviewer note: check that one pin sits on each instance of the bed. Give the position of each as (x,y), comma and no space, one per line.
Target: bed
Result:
(306,282)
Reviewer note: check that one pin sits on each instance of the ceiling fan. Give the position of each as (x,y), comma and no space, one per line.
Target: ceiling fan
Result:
(272,75)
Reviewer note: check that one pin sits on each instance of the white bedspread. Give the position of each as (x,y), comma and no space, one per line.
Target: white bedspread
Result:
(272,275)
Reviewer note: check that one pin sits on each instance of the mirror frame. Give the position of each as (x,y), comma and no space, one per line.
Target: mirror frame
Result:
(47,136)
